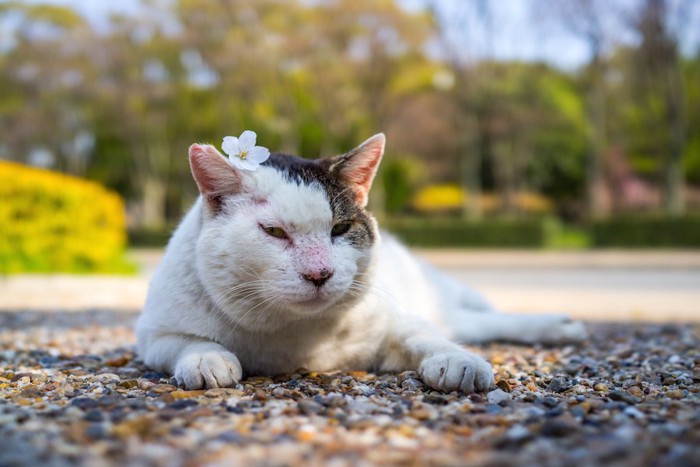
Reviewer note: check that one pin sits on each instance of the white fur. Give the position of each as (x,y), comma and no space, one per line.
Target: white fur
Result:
(228,298)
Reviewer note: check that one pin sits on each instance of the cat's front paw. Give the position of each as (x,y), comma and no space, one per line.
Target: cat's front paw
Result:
(456,370)
(208,366)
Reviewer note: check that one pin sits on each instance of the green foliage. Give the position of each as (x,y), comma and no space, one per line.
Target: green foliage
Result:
(145,90)
(398,177)
(55,223)
(562,236)
(647,231)
(456,232)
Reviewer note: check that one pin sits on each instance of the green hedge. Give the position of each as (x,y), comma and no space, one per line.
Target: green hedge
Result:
(454,232)
(149,238)
(647,231)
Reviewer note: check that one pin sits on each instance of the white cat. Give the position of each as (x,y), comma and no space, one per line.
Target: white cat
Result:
(283,268)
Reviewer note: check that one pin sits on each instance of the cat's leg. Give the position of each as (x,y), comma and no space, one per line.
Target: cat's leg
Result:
(194,362)
(479,326)
(441,364)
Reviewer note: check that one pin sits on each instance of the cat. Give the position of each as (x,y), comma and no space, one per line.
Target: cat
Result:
(284,268)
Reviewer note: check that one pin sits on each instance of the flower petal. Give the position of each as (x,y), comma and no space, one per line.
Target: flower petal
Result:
(247,165)
(236,162)
(247,140)
(258,154)
(231,146)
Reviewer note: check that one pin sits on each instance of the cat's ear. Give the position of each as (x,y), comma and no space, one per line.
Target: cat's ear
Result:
(359,166)
(214,175)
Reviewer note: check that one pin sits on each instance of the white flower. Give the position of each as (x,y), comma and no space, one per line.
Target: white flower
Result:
(242,151)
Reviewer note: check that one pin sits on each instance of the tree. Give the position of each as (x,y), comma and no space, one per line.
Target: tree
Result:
(587,19)
(661,90)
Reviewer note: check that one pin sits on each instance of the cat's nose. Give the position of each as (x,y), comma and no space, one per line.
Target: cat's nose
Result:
(318,278)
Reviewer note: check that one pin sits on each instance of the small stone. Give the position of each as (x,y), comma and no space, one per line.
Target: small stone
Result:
(675,394)
(518,433)
(497,396)
(106,378)
(179,394)
(162,388)
(94,416)
(558,385)
(503,385)
(624,396)
(633,412)
(557,428)
(31,393)
(412,384)
(118,362)
(306,433)
(84,403)
(183,404)
(95,431)
(600,387)
(423,412)
(129,384)
(222,392)
(309,407)
(22,376)
(549,401)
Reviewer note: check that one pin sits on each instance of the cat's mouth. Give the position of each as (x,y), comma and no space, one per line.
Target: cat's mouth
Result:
(315,300)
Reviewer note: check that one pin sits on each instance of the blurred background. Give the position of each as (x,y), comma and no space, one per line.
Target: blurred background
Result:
(513,123)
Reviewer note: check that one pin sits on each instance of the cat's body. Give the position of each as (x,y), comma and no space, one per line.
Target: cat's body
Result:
(282,268)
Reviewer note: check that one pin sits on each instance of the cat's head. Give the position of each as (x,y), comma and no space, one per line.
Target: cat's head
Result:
(289,241)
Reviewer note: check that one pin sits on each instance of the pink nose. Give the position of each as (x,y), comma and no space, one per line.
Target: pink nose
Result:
(318,278)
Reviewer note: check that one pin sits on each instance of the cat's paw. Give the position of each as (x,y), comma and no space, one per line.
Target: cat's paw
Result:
(456,370)
(557,330)
(208,366)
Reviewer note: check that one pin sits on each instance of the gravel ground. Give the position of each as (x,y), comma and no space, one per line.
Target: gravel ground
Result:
(72,393)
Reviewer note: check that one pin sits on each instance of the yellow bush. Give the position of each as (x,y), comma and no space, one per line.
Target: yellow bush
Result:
(52,222)
(442,198)
(436,198)
(533,203)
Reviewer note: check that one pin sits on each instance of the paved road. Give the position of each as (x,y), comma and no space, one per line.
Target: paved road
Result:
(600,285)
(614,285)
(612,293)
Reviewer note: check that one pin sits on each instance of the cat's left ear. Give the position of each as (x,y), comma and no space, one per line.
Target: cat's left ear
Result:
(359,166)
(215,177)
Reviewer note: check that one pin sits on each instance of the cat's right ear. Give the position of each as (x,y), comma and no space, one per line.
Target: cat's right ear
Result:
(214,175)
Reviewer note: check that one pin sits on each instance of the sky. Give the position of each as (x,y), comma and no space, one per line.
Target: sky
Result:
(525,30)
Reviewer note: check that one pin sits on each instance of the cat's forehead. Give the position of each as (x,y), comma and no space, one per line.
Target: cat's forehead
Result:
(291,202)
(301,183)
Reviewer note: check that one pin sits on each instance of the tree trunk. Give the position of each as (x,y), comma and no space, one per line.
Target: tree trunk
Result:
(153,203)
(674,179)
(595,183)
(470,170)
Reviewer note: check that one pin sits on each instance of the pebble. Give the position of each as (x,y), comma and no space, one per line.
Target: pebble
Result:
(558,384)
(624,396)
(73,392)
(497,396)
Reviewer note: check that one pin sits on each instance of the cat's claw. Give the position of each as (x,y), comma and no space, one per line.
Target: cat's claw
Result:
(208,368)
(458,370)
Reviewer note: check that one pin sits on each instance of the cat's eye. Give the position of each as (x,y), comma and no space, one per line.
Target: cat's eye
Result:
(276,232)
(340,228)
